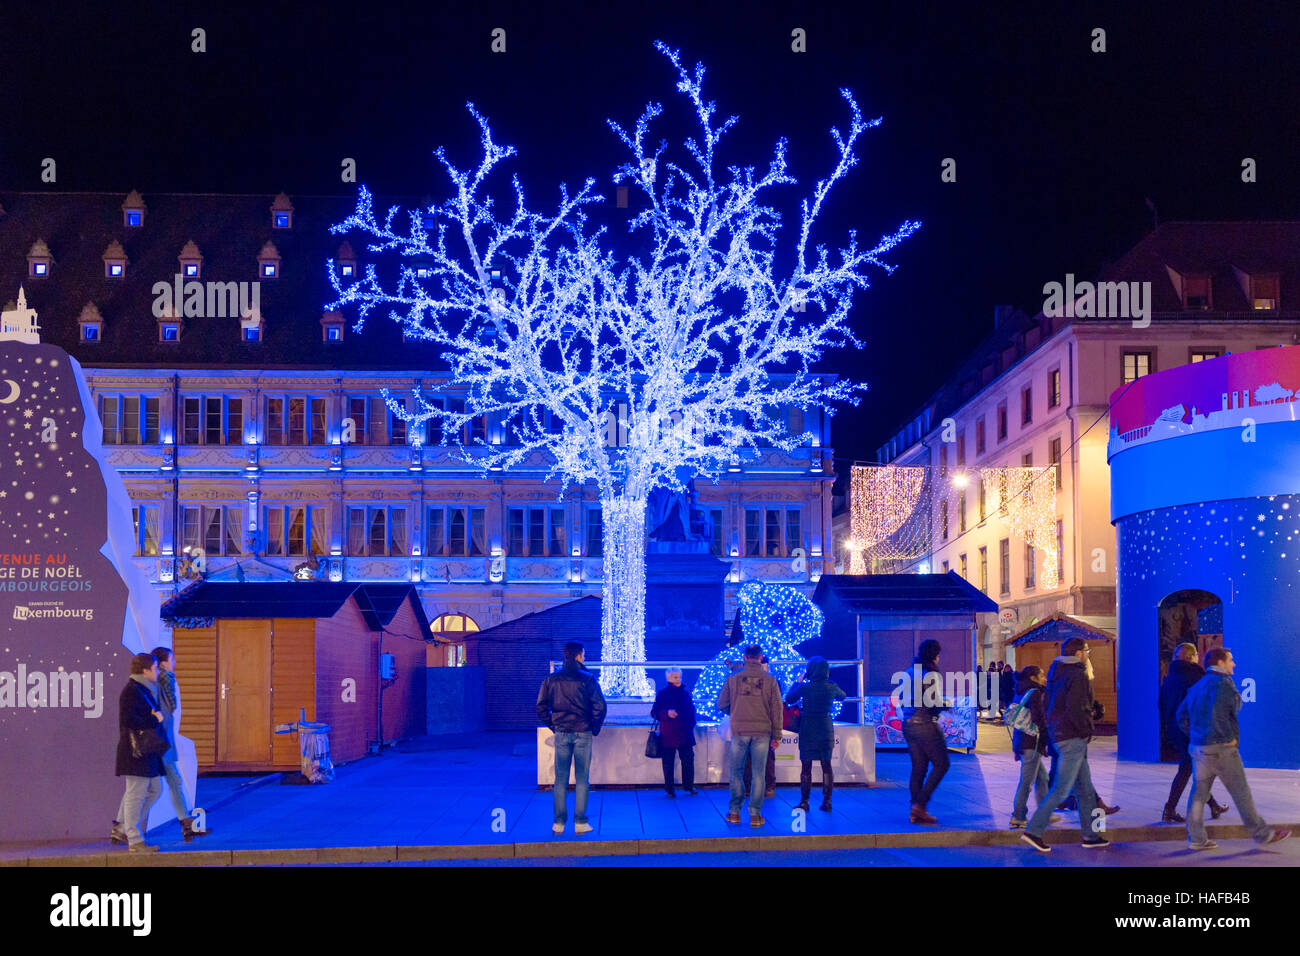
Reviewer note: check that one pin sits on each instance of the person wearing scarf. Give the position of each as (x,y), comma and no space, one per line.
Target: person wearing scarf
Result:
(138,710)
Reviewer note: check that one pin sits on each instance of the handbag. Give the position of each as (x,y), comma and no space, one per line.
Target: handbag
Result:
(654,743)
(147,743)
(791,719)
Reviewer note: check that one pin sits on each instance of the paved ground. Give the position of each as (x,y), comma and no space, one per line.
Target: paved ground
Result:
(1231,854)
(481,792)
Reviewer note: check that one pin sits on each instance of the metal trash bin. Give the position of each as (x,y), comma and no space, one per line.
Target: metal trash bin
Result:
(313,746)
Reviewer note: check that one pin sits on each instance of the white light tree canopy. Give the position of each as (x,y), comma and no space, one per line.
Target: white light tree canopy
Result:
(634,363)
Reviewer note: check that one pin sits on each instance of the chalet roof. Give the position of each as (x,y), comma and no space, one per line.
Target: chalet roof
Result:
(586,608)
(903,593)
(211,600)
(1061,627)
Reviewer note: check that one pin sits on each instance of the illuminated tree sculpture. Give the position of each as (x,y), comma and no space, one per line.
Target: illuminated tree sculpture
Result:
(684,346)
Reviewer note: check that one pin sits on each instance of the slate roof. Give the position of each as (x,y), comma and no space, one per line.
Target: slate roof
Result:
(298,599)
(1216,249)
(903,593)
(230,231)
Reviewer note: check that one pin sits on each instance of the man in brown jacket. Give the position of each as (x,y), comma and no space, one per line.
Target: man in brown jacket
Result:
(753,700)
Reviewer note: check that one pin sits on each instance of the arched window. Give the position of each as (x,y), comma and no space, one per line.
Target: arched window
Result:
(450,629)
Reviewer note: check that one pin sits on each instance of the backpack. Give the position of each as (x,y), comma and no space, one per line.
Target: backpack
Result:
(1017,716)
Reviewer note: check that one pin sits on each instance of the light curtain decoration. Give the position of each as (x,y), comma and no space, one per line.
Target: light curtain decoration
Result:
(1025,499)
(890,517)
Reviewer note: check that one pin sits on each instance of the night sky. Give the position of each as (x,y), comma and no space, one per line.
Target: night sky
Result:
(1057,148)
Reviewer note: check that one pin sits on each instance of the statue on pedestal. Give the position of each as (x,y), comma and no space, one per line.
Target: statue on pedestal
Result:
(676,523)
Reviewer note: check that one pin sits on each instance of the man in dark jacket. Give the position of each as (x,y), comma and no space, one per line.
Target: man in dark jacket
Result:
(1068,715)
(137,710)
(1184,671)
(1208,716)
(571,704)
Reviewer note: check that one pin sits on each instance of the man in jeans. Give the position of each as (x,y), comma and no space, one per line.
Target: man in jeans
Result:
(1069,726)
(1208,716)
(571,704)
(752,699)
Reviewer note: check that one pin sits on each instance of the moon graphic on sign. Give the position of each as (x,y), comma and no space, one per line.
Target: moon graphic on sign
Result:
(13,392)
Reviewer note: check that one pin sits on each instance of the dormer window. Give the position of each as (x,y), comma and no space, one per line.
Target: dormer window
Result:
(331,324)
(268,262)
(1263,293)
(170,327)
(191,260)
(39,260)
(281,213)
(114,260)
(133,210)
(347,261)
(91,323)
(1196,293)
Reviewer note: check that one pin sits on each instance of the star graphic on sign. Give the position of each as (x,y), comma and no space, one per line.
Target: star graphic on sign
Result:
(74,434)
(68,474)
(27,413)
(4,494)
(20,462)
(27,424)
(49,514)
(73,490)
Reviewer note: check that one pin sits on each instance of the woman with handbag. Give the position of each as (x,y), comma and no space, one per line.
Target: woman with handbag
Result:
(675,712)
(815,695)
(140,746)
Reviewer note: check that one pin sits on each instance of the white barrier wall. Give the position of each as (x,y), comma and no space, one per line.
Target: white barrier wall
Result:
(618,757)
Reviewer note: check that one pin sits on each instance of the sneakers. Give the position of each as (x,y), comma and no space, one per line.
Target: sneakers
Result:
(557,828)
(1018,824)
(756,821)
(1038,843)
(1094,843)
(1207,845)
(1172,816)
(733,817)
(918,815)
(1109,810)
(582,828)
(1216,810)
(117,835)
(1278,833)
(142,848)
(188,831)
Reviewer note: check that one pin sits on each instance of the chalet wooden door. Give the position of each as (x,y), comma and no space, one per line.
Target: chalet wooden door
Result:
(244,692)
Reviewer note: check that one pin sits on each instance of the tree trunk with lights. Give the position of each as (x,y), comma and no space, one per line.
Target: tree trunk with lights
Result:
(622,624)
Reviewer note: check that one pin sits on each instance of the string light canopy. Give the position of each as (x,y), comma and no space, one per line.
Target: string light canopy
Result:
(890,516)
(1025,499)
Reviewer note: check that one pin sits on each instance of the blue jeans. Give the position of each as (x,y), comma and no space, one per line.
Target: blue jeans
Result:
(1222,761)
(1072,773)
(141,792)
(575,749)
(756,748)
(175,787)
(1033,772)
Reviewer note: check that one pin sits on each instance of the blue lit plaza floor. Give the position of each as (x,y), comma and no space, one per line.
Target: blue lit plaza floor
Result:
(482,790)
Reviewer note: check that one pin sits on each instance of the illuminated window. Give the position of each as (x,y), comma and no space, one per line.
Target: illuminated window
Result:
(450,630)
(1136,365)
(1203,355)
(1054,388)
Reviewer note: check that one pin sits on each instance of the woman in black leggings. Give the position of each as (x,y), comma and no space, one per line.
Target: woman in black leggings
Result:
(924,737)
